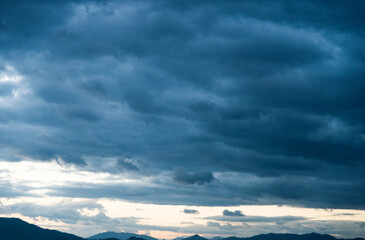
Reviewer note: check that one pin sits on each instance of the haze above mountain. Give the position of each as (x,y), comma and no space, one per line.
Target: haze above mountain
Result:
(17,229)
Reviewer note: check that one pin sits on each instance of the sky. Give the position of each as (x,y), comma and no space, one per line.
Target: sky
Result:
(172,118)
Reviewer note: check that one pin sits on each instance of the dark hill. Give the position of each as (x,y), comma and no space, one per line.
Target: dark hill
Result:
(279,236)
(287,236)
(16,229)
(195,237)
(232,238)
(136,238)
(120,236)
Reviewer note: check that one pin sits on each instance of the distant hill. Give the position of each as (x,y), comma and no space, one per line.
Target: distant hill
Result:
(195,237)
(178,238)
(278,236)
(16,229)
(213,238)
(121,236)
(287,236)
(216,238)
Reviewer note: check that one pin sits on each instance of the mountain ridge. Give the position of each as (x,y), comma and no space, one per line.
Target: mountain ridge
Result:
(120,236)
(280,236)
(195,237)
(17,229)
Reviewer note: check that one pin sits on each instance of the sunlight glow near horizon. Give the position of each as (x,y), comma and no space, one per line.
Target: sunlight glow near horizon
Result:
(170,215)
(41,175)
(118,208)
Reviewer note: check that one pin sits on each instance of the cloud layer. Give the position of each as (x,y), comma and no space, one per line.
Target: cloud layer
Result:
(261,96)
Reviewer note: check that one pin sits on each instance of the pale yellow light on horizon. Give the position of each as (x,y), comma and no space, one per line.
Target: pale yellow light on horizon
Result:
(171,215)
(40,175)
(120,208)
(164,234)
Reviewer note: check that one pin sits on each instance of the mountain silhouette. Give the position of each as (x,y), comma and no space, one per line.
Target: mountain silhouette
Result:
(110,239)
(195,237)
(135,238)
(178,238)
(287,236)
(216,238)
(279,236)
(199,237)
(121,236)
(16,229)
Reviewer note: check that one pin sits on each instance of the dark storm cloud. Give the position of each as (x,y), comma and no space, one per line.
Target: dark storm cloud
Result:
(270,89)
(239,189)
(200,178)
(126,164)
(236,213)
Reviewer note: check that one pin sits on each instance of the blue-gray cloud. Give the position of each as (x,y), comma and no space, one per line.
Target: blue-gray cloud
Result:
(236,213)
(257,219)
(190,211)
(262,89)
(200,178)
(126,164)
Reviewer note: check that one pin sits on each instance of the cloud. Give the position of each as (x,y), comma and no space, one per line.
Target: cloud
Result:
(190,211)
(234,217)
(236,213)
(199,178)
(7,188)
(126,164)
(73,215)
(257,93)
(66,211)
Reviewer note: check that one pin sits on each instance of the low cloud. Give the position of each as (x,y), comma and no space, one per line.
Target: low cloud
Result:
(126,164)
(190,211)
(237,213)
(255,219)
(199,178)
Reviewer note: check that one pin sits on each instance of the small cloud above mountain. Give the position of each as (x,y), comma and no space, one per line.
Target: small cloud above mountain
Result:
(237,213)
(190,211)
